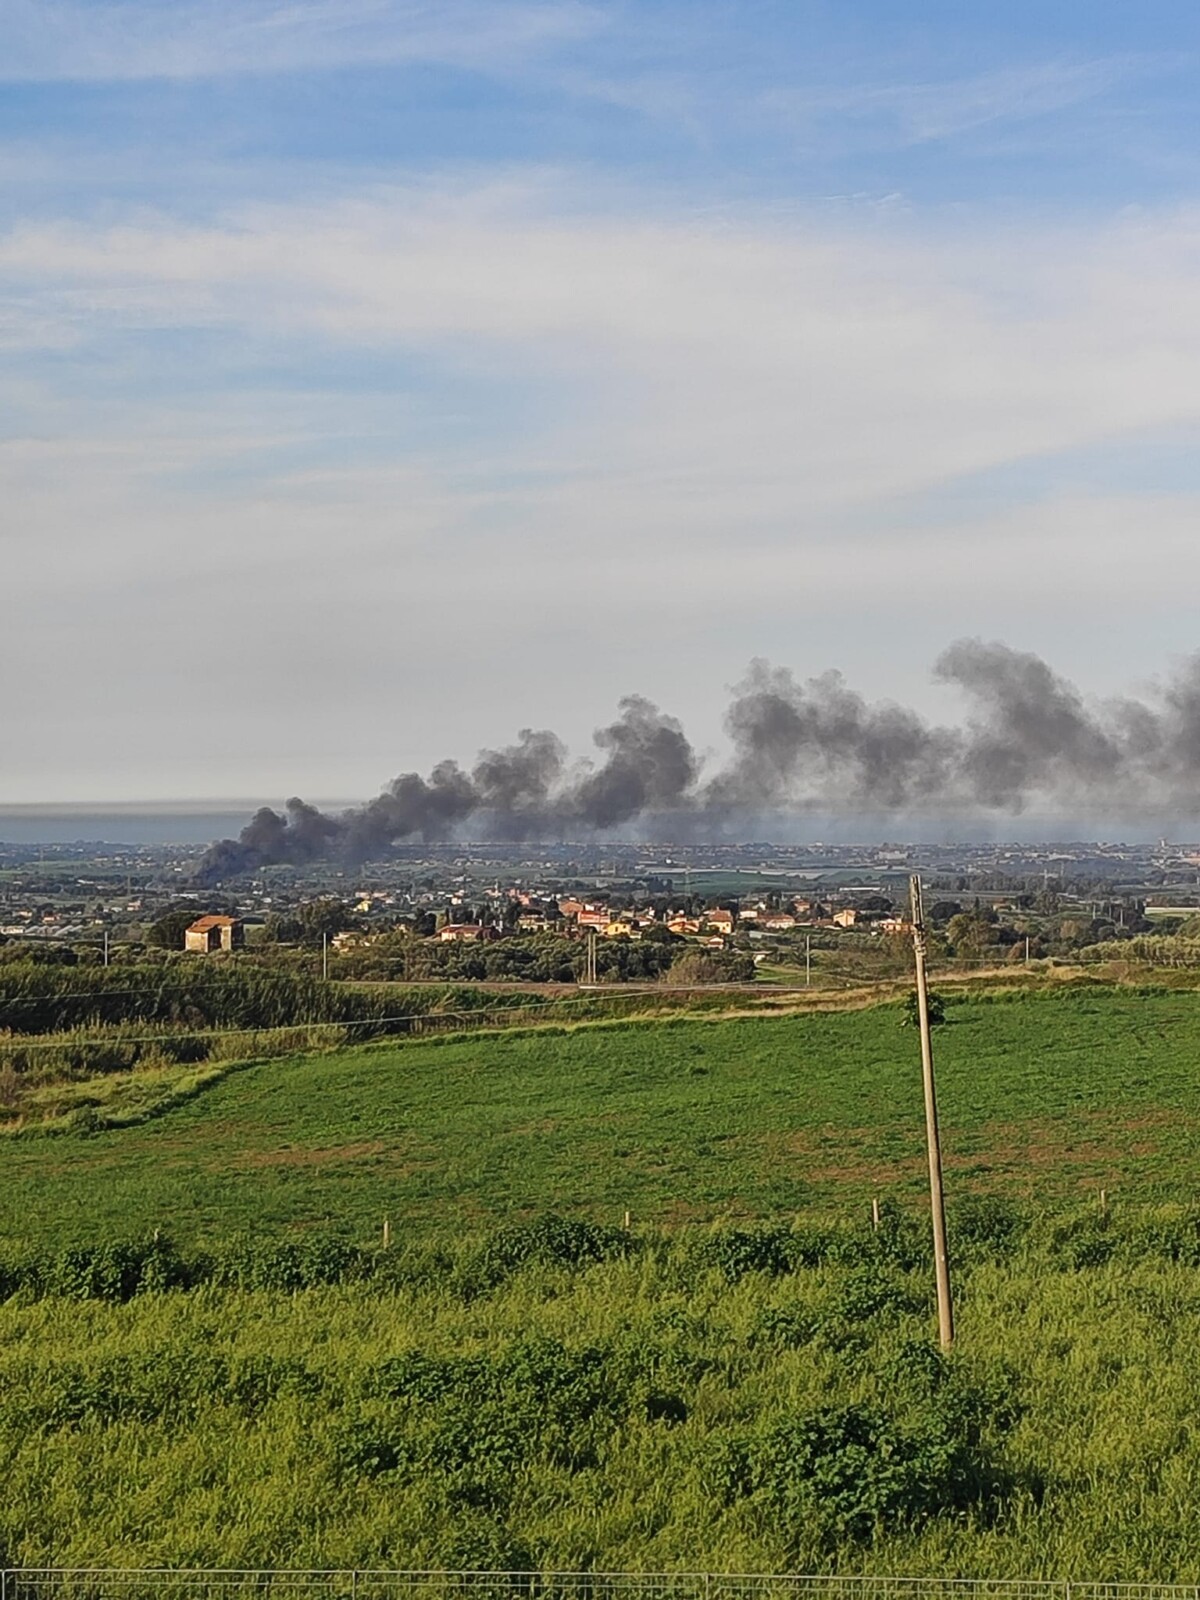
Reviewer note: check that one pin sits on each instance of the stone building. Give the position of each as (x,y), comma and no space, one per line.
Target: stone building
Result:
(213,933)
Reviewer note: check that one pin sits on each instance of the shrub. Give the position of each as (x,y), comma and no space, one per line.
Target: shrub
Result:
(849,1473)
(935,1004)
(737,1251)
(985,1227)
(142,1388)
(549,1241)
(479,1421)
(917,1367)
(1083,1241)
(1172,1239)
(254,1381)
(813,1246)
(115,1271)
(426,1378)
(900,1240)
(784,1328)
(362,1447)
(867,1292)
(412,1267)
(665,1407)
(253,1263)
(486,1547)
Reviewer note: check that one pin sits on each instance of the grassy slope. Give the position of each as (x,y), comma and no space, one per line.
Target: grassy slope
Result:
(1047,1095)
(1102,1366)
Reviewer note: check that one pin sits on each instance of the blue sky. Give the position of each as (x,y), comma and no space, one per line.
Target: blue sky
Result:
(377,378)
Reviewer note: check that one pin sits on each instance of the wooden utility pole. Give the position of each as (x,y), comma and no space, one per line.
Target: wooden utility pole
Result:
(941,1256)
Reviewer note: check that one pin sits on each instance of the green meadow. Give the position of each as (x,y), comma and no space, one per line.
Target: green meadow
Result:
(1045,1097)
(208,1357)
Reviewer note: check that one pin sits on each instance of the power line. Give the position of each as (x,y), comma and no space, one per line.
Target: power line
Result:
(104,994)
(85,994)
(349,1022)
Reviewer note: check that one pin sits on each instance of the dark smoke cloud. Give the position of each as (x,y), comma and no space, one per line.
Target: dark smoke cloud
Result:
(1029,739)
(515,787)
(807,745)
(650,767)
(1029,730)
(521,792)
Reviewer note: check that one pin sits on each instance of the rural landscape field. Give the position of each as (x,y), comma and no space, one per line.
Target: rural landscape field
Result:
(599,800)
(632,1309)
(1048,1095)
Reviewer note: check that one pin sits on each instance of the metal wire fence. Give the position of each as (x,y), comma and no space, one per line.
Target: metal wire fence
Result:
(283,1584)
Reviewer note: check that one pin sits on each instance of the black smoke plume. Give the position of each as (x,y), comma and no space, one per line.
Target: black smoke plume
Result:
(1029,740)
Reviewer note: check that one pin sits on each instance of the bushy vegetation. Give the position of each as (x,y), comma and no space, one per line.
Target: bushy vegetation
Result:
(541,958)
(1175,949)
(124,1044)
(38,999)
(560,1394)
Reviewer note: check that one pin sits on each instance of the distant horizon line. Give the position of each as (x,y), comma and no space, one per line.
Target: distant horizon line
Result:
(192,805)
(197,821)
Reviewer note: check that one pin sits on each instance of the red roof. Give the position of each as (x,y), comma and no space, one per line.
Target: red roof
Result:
(202,924)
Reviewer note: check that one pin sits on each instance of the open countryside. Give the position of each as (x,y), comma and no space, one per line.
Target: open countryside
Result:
(206,1324)
(598,639)
(1046,1095)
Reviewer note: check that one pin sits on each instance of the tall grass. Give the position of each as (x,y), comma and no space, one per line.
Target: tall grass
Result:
(564,1397)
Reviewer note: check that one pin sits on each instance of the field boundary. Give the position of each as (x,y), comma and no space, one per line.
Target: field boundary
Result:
(96,1583)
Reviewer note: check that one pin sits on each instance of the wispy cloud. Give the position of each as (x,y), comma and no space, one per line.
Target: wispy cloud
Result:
(924,112)
(734,429)
(595,414)
(124,40)
(862,363)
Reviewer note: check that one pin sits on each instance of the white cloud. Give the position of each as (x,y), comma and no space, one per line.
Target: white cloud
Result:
(736,422)
(331,626)
(758,357)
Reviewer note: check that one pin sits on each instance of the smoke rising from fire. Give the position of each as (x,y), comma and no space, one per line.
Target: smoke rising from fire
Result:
(1029,739)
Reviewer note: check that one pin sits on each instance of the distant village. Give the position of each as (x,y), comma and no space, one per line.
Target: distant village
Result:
(517,912)
(714,924)
(737,897)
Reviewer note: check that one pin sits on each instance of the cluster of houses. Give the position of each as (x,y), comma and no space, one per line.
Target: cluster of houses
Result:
(714,925)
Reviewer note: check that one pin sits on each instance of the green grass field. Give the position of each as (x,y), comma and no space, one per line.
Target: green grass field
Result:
(648,1412)
(676,1397)
(1047,1096)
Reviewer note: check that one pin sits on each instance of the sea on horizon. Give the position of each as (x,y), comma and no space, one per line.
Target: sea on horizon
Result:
(183,822)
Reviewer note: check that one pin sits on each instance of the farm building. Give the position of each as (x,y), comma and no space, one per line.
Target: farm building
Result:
(213,933)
